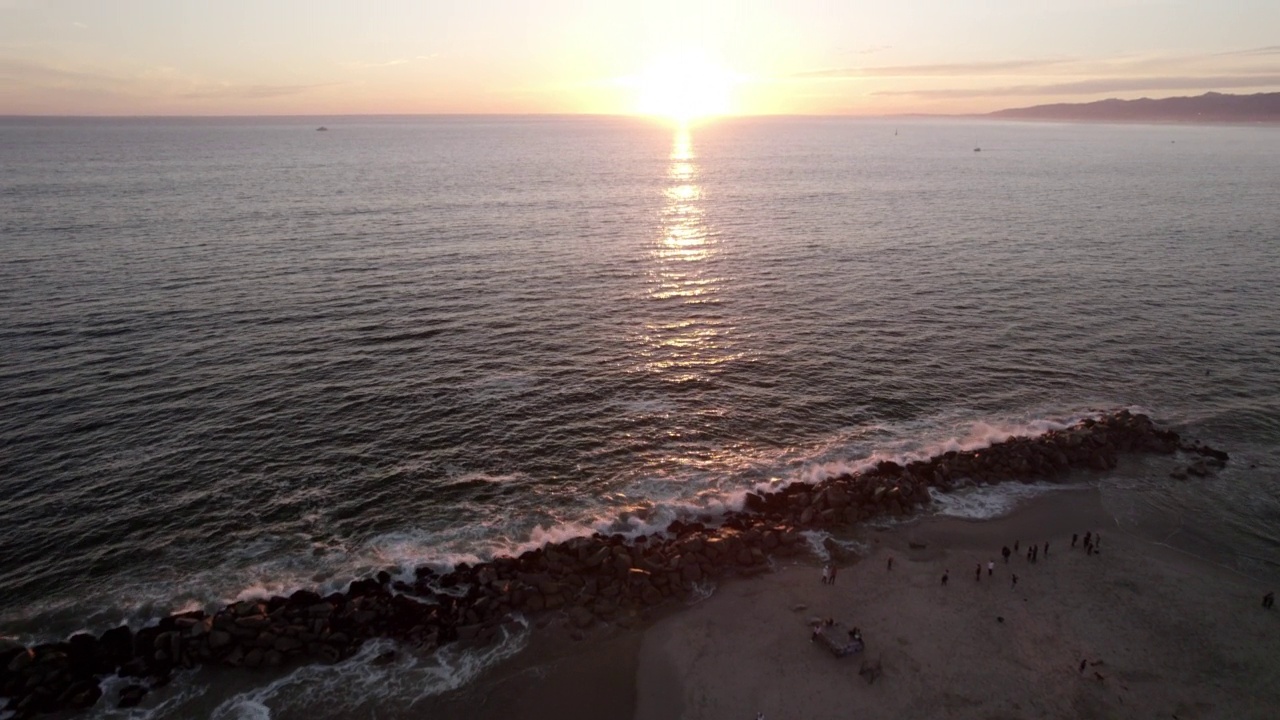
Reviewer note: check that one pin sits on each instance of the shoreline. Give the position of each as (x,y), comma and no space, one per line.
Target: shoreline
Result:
(1166,632)
(589,581)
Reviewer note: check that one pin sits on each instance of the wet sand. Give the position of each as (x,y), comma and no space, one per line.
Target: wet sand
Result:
(1163,633)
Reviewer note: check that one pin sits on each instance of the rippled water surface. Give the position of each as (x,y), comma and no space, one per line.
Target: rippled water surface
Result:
(242,355)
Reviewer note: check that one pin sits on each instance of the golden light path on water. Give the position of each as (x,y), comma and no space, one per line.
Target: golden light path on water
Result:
(687,339)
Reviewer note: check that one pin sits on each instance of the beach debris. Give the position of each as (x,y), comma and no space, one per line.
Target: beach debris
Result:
(999,618)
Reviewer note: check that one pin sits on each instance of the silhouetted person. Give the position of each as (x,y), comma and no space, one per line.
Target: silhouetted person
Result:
(1015,545)
(1269,600)
(1046,548)
(1029,555)
(1006,553)
(889,565)
(945,574)
(1015,580)
(833,575)
(977,573)
(991,567)
(1088,538)
(1082,664)
(1074,538)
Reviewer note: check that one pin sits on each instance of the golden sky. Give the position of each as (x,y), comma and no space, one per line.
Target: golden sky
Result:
(235,57)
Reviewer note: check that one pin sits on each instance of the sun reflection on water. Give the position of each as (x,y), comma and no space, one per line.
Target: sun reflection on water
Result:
(688,336)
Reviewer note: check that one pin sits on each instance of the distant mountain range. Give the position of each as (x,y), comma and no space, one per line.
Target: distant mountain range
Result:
(1208,108)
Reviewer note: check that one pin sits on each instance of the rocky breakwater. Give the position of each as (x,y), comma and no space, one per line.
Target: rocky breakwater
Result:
(584,581)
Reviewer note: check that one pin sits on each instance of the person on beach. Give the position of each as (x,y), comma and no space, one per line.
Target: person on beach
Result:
(1082,664)
(1088,538)
(1046,548)
(1015,545)
(1006,553)
(889,565)
(945,575)
(1269,600)
(977,573)
(1074,538)
(1015,580)
(1097,542)
(991,567)
(826,574)
(833,574)
(1088,548)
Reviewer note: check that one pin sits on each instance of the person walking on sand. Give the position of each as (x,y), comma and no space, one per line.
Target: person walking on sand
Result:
(889,565)
(1082,664)
(826,574)
(991,567)
(1269,600)
(1088,538)
(1074,538)
(1046,548)
(1006,553)
(833,574)
(1015,545)
(1015,580)
(977,573)
(945,574)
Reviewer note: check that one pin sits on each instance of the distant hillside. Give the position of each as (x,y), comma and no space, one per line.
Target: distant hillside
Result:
(1210,107)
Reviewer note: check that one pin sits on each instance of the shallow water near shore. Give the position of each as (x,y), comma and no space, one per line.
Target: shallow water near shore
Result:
(240,358)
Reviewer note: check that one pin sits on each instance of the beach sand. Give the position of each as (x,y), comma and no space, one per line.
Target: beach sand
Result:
(1164,635)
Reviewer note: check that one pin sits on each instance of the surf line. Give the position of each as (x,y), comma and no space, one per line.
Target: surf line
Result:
(610,579)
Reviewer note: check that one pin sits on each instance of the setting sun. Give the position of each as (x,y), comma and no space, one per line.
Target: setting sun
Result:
(684,87)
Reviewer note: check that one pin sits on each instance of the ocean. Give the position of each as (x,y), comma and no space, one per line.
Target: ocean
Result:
(241,357)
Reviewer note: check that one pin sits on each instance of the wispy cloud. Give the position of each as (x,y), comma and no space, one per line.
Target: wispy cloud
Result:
(999,67)
(365,64)
(156,83)
(1096,86)
(251,92)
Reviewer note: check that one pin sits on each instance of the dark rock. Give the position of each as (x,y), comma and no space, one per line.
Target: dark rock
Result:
(131,695)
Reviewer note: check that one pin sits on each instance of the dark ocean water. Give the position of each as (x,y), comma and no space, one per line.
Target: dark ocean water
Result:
(242,356)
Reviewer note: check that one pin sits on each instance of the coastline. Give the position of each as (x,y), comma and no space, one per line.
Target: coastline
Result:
(1168,634)
(596,588)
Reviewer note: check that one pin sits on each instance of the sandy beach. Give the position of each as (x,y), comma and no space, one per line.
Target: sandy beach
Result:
(1163,635)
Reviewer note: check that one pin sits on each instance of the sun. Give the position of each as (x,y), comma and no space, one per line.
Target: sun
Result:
(684,87)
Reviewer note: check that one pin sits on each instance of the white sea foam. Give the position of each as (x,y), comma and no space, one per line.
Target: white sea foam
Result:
(988,501)
(363,681)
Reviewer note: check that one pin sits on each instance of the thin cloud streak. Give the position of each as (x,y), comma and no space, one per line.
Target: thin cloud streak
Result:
(252,92)
(1101,85)
(940,70)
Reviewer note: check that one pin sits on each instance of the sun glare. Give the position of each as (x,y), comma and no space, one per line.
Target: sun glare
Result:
(684,87)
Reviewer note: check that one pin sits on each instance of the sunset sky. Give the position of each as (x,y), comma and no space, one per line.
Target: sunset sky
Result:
(235,57)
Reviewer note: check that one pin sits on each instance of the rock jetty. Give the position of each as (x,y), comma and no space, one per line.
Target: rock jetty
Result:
(585,580)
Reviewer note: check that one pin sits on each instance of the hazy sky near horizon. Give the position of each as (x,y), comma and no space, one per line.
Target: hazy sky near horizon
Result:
(144,57)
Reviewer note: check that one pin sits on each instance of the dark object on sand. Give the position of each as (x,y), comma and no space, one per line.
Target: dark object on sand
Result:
(1268,600)
(1083,663)
(945,575)
(917,546)
(1000,618)
(838,640)
(889,565)
(1006,553)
